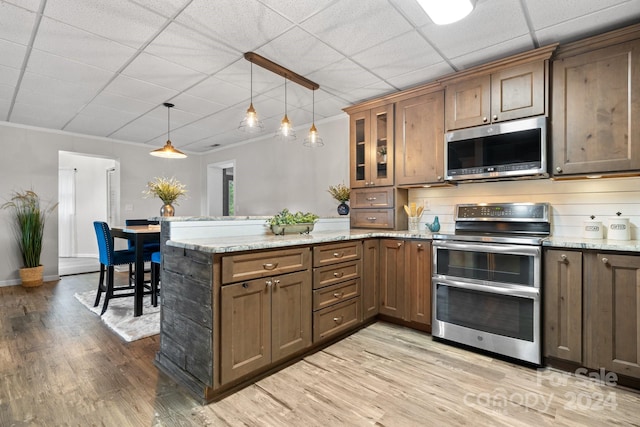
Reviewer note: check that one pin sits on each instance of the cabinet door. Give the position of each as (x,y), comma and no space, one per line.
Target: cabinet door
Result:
(518,92)
(596,111)
(418,275)
(370,278)
(245,324)
(562,295)
(291,314)
(420,139)
(468,103)
(392,286)
(360,141)
(615,315)
(381,153)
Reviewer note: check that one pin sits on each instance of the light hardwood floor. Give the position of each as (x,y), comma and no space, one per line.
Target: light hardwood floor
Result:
(60,366)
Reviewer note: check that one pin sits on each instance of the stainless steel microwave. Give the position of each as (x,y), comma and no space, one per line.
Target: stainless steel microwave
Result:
(507,150)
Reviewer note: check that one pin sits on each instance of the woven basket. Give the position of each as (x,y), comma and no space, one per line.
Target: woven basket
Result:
(31,276)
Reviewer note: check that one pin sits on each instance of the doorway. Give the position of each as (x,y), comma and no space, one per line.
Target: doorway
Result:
(88,190)
(221,189)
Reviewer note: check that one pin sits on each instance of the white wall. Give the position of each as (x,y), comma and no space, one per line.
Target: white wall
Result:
(271,175)
(30,161)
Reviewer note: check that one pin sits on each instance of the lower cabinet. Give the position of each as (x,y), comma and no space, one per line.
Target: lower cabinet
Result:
(405,280)
(263,321)
(592,309)
(370,278)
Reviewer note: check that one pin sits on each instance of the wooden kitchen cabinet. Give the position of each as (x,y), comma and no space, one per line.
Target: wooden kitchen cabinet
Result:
(596,106)
(371,147)
(370,278)
(562,297)
(263,321)
(419,148)
(405,280)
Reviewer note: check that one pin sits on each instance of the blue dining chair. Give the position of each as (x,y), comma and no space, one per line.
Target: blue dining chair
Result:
(156,260)
(109,258)
(149,247)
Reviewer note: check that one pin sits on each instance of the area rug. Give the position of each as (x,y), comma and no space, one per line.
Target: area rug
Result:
(119,316)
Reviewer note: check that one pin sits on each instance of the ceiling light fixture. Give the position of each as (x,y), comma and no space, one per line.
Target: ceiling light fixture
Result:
(168,151)
(313,140)
(251,123)
(286,132)
(444,12)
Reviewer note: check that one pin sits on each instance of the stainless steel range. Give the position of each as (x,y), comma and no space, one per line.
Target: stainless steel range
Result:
(487,278)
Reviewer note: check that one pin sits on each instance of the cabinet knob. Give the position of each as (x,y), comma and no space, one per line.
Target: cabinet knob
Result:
(338,294)
(338,274)
(605,260)
(338,254)
(245,285)
(371,199)
(268,283)
(371,218)
(276,282)
(439,177)
(420,246)
(558,169)
(338,320)
(484,119)
(269,265)
(399,244)
(495,117)
(564,259)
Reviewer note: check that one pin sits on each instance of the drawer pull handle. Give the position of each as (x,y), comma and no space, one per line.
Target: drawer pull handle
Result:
(338,294)
(268,283)
(399,244)
(338,254)
(605,260)
(563,258)
(420,246)
(245,285)
(338,320)
(371,199)
(270,265)
(338,274)
(372,218)
(276,282)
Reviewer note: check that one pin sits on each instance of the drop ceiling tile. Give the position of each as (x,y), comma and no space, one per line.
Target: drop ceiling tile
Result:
(489,24)
(243,24)
(178,117)
(297,96)
(158,71)
(356,26)
(32,5)
(220,122)
(122,103)
(12,54)
(191,49)
(98,121)
(36,88)
(142,130)
(4,108)
(138,89)
(181,137)
(43,115)
(330,107)
(369,92)
(412,11)
(69,42)
(219,91)
(343,76)
(239,74)
(409,51)
(300,52)
(118,20)
(166,8)
(9,76)
(6,93)
(296,10)
(546,13)
(16,24)
(500,50)
(420,76)
(196,105)
(68,70)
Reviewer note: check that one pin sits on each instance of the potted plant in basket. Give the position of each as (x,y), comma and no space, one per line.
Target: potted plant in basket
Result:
(168,190)
(29,218)
(341,193)
(285,222)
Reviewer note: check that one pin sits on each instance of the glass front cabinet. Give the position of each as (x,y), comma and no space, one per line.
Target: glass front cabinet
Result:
(371,137)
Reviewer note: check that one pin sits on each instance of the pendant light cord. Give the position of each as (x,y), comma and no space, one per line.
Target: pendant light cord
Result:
(168,123)
(285,96)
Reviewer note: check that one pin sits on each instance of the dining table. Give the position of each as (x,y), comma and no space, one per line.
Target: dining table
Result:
(139,235)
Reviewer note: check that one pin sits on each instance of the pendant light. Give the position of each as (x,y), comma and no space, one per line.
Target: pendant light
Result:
(286,132)
(446,12)
(313,140)
(168,151)
(250,123)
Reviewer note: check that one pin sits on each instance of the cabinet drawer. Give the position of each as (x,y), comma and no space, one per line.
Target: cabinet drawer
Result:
(331,274)
(336,319)
(372,198)
(330,295)
(336,252)
(254,265)
(372,218)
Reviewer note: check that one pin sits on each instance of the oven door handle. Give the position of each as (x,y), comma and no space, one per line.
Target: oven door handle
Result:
(488,247)
(520,291)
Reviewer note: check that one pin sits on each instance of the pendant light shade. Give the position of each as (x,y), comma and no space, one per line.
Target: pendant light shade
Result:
(444,12)
(251,123)
(313,140)
(168,151)
(286,132)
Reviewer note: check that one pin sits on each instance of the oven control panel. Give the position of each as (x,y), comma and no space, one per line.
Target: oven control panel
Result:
(525,212)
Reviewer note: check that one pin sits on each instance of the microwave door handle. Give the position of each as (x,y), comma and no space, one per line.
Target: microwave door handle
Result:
(522,292)
(484,247)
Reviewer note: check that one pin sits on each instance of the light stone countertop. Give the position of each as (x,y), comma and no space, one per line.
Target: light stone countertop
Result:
(270,241)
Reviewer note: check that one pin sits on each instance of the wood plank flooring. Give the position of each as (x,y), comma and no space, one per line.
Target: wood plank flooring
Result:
(60,366)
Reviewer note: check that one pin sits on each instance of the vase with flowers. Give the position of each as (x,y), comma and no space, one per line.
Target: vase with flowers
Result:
(168,190)
(341,193)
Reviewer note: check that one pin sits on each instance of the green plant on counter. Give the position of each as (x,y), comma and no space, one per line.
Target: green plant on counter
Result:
(166,189)
(340,192)
(285,217)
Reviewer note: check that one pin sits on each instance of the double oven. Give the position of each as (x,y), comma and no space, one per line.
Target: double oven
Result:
(487,280)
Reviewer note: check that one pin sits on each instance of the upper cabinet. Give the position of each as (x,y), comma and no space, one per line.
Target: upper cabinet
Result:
(596,105)
(371,139)
(420,140)
(507,94)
